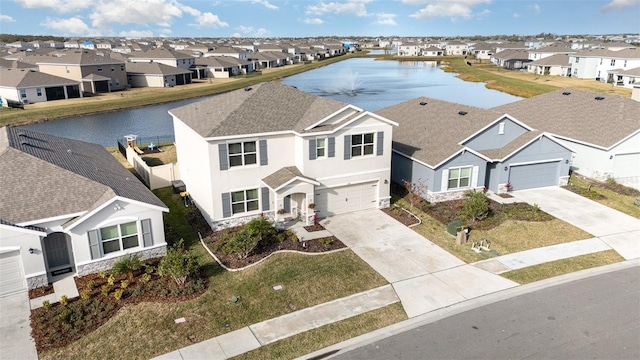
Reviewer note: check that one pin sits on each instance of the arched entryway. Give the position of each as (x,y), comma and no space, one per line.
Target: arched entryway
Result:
(57,253)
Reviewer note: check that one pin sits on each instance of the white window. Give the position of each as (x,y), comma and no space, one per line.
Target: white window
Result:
(244,201)
(613,62)
(67,68)
(23,93)
(501,129)
(361,144)
(321,147)
(39,91)
(459,178)
(119,237)
(577,60)
(244,153)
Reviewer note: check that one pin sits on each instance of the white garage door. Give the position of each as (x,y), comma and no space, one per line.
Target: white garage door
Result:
(626,165)
(344,199)
(11,275)
(531,176)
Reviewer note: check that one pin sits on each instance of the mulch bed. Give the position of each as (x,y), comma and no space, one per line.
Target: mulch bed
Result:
(402,216)
(505,195)
(41,291)
(270,245)
(314,227)
(60,325)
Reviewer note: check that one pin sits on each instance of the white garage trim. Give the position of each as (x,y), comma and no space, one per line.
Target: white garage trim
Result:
(535,162)
(11,273)
(347,198)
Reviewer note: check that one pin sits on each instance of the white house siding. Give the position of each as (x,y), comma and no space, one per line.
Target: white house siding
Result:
(32,95)
(146,80)
(10,93)
(196,165)
(33,266)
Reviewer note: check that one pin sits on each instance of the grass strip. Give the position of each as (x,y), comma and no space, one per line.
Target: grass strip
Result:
(596,192)
(560,267)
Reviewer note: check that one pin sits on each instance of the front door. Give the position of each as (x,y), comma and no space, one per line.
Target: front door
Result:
(55,246)
(287,204)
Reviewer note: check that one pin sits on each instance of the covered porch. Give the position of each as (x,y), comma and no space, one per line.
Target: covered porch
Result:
(292,194)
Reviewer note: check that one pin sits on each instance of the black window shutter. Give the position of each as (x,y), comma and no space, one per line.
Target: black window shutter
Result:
(94,244)
(264,160)
(380,143)
(265,199)
(226,205)
(147,237)
(312,149)
(222,154)
(347,147)
(332,147)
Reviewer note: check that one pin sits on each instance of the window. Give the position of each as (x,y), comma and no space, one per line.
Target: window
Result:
(99,68)
(459,178)
(625,64)
(243,153)
(244,201)
(121,67)
(321,147)
(23,93)
(67,68)
(600,61)
(501,129)
(39,91)
(113,68)
(119,237)
(613,62)
(577,60)
(361,144)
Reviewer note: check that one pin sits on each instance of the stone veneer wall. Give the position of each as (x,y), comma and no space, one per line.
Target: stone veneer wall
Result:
(106,264)
(445,196)
(37,281)
(237,221)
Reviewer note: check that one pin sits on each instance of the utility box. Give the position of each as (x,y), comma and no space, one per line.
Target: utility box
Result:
(454,226)
(461,238)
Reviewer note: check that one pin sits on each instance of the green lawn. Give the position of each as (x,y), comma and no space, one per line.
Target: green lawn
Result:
(146,330)
(598,192)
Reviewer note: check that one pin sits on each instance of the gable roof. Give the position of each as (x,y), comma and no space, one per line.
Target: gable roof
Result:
(73,57)
(579,115)
(431,133)
(555,59)
(160,53)
(285,176)
(154,68)
(46,176)
(262,108)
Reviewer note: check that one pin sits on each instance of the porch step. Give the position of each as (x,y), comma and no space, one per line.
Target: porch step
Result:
(63,286)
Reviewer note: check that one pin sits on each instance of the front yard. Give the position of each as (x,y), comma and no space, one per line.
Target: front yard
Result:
(145,330)
(609,193)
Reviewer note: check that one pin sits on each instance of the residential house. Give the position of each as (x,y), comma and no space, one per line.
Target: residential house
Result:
(409,49)
(597,63)
(511,59)
(229,51)
(556,65)
(627,78)
(432,51)
(164,56)
(69,207)
(222,67)
(29,86)
(602,129)
(71,44)
(543,52)
(247,46)
(452,148)
(95,73)
(273,150)
(154,74)
(481,51)
(456,48)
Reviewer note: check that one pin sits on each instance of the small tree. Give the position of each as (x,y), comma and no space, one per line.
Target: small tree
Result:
(178,263)
(415,191)
(475,207)
(242,242)
(260,227)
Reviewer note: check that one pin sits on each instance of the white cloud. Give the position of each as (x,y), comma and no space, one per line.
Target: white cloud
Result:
(136,33)
(265,3)
(236,35)
(261,32)
(6,18)
(61,6)
(73,26)
(453,9)
(535,8)
(385,19)
(618,4)
(209,20)
(244,29)
(356,7)
(160,12)
(516,15)
(313,21)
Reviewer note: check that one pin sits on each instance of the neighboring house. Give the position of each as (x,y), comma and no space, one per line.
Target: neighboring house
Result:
(456,48)
(69,207)
(432,51)
(627,78)
(156,75)
(96,73)
(602,129)
(452,148)
(482,51)
(272,148)
(597,63)
(409,49)
(544,52)
(229,51)
(28,86)
(556,65)
(164,56)
(511,59)
(222,67)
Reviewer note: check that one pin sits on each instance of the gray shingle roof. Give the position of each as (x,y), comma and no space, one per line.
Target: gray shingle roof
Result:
(431,132)
(21,78)
(579,115)
(154,68)
(283,176)
(44,176)
(499,154)
(160,53)
(266,107)
(74,57)
(556,59)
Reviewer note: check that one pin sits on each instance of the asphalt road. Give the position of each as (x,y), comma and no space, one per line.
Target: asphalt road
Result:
(592,318)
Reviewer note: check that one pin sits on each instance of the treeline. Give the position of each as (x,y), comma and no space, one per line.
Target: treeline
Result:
(9,38)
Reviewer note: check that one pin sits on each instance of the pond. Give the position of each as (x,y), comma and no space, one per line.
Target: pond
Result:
(364,82)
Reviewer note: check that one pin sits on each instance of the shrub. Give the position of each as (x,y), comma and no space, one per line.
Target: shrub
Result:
(111,280)
(105,290)
(260,227)
(415,191)
(127,265)
(475,207)
(64,300)
(179,264)
(326,241)
(118,294)
(124,284)
(242,242)
(149,269)
(145,278)
(102,274)
(46,304)
(91,285)
(85,295)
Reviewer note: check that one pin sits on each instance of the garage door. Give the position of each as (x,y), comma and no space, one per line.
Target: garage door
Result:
(534,175)
(626,166)
(11,275)
(340,200)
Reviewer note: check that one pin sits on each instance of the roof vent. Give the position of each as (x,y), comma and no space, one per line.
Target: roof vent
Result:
(247,89)
(423,103)
(462,113)
(566,93)
(599,97)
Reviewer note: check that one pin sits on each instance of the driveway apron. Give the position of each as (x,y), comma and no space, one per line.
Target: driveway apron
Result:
(616,229)
(15,329)
(424,276)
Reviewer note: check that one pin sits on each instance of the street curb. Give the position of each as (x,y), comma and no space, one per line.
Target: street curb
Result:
(442,313)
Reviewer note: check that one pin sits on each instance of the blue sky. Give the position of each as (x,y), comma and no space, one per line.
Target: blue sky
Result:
(302,18)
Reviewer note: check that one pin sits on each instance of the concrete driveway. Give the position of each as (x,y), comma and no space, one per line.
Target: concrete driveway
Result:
(15,328)
(424,276)
(618,230)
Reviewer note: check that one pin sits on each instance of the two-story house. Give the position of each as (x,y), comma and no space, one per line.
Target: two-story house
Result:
(273,150)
